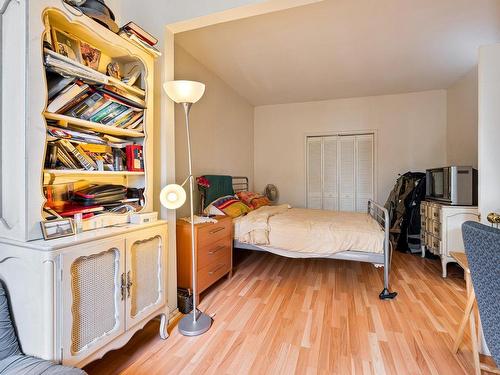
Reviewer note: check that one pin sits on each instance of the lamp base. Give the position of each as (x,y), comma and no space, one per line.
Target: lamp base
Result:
(189,327)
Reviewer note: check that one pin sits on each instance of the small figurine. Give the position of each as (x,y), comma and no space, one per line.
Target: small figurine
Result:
(113,70)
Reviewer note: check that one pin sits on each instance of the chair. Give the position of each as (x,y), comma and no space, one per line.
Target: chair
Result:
(12,360)
(482,247)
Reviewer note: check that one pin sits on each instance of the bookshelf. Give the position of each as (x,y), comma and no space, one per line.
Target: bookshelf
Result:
(66,280)
(132,100)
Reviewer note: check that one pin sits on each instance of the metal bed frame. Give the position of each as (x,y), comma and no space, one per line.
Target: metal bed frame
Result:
(376,211)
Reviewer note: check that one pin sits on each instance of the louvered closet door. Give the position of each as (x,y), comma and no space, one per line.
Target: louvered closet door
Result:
(364,171)
(329,165)
(347,173)
(314,178)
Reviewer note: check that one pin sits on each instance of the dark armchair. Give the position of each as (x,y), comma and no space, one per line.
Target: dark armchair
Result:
(12,360)
(482,247)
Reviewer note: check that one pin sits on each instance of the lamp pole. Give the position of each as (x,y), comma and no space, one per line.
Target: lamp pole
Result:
(187,109)
(199,322)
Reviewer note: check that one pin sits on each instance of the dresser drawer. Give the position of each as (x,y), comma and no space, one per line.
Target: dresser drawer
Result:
(210,253)
(436,228)
(213,272)
(213,233)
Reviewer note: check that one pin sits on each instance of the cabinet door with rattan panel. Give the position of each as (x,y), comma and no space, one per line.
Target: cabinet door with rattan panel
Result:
(145,274)
(92,295)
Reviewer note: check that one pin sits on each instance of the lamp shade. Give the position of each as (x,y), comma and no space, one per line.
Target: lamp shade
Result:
(172,196)
(184,91)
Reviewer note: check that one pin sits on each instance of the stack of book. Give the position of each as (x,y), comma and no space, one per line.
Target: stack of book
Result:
(103,104)
(139,37)
(72,149)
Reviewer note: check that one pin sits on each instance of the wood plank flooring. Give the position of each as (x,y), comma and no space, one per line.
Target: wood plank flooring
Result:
(304,316)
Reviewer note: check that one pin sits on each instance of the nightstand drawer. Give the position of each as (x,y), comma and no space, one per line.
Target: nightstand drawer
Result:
(213,272)
(208,254)
(212,233)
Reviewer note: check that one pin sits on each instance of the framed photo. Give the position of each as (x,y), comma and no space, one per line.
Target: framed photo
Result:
(66,45)
(90,55)
(57,228)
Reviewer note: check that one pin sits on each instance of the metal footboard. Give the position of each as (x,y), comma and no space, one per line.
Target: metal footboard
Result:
(381,215)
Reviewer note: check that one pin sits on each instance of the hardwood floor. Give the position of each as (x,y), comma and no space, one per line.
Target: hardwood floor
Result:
(285,316)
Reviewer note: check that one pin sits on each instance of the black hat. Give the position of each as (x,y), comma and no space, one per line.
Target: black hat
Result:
(99,12)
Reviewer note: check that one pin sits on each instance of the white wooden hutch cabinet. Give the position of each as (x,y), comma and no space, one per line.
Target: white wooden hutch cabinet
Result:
(73,298)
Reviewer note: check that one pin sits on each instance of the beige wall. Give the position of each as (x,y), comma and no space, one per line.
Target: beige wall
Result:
(221,127)
(411,135)
(462,120)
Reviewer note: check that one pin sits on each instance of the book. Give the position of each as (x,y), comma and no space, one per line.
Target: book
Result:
(135,158)
(122,117)
(56,83)
(113,114)
(84,154)
(95,107)
(71,209)
(140,32)
(75,101)
(123,96)
(74,136)
(139,42)
(99,149)
(105,111)
(77,155)
(65,159)
(131,118)
(51,156)
(66,96)
(79,110)
(117,142)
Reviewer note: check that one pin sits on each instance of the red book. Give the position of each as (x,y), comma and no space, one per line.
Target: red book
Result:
(70,210)
(135,158)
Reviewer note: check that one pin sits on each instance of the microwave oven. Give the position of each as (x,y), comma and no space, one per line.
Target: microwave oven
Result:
(452,185)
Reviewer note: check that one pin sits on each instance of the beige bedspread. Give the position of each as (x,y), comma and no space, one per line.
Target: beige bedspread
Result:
(309,231)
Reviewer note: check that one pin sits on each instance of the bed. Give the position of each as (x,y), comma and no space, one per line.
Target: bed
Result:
(306,233)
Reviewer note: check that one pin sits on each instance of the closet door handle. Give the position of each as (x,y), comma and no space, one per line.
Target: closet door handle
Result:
(123,285)
(213,231)
(129,284)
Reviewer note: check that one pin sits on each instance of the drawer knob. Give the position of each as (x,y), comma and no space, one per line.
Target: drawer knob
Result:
(216,250)
(216,230)
(216,269)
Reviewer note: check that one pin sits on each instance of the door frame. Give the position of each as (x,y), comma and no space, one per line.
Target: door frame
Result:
(340,134)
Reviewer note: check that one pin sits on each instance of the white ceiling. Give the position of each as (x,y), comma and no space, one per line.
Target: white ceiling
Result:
(347,48)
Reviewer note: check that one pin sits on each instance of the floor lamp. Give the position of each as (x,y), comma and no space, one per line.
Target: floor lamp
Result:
(173,196)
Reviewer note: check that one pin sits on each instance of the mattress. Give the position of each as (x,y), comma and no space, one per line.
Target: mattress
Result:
(309,232)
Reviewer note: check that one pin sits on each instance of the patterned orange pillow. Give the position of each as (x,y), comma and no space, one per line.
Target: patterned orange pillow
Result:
(253,200)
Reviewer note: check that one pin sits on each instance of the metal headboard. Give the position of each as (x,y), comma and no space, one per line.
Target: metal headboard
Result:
(240,183)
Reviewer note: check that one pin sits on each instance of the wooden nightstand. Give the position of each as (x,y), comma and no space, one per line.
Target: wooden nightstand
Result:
(214,252)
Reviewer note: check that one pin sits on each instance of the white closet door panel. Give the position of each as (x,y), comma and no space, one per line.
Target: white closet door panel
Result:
(330,193)
(314,178)
(347,175)
(364,171)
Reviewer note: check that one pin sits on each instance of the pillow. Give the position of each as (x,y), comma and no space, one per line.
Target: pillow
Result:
(253,200)
(231,206)
(260,202)
(212,210)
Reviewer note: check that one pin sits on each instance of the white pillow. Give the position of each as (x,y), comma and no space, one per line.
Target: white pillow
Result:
(212,210)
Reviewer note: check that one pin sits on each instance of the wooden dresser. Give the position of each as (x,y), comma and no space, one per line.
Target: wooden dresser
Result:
(214,252)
